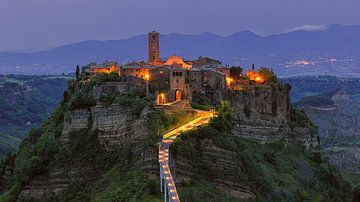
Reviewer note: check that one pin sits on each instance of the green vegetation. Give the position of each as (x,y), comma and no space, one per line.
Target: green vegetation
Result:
(236,72)
(307,86)
(200,101)
(268,74)
(274,172)
(351,177)
(298,117)
(25,102)
(8,143)
(333,105)
(119,178)
(319,100)
(100,78)
(116,173)
(159,123)
(77,72)
(82,101)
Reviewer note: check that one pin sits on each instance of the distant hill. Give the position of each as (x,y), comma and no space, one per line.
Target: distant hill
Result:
(332,51)
(25,102)
(333,104)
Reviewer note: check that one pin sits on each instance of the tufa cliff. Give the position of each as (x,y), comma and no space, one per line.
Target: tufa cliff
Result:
(263,113)
(101,144)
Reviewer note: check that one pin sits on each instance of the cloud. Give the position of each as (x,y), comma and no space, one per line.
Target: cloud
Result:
(309,28)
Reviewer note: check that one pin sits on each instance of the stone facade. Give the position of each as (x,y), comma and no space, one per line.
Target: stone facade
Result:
(154,47)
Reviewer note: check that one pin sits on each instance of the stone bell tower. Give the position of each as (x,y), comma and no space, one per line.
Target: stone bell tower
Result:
(154,48)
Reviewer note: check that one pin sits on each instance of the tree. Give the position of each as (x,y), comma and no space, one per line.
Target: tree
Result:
(235,72)
(77,72)
(268,75)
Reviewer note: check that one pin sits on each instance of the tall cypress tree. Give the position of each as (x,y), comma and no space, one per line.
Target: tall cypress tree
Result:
(77,72)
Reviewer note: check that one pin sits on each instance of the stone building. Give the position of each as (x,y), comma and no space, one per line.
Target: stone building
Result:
(174,78)
(107,67)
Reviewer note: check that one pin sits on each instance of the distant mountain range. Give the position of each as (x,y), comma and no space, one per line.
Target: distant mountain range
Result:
(332,51)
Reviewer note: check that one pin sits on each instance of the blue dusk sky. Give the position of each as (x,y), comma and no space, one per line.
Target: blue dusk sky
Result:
(38,24)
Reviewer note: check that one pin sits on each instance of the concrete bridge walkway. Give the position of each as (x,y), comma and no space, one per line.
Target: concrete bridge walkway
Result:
(167,182)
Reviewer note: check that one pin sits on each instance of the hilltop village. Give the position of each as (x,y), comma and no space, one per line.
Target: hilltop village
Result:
(174,78)
(120,127)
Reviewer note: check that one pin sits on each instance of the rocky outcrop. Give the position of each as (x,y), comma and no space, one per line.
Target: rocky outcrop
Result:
(57,180)
(221,166)
(116,125)
(262,113)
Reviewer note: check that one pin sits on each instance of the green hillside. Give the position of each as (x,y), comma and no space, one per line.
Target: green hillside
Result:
(25,102)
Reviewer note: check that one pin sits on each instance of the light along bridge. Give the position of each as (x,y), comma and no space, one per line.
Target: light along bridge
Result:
(167,182)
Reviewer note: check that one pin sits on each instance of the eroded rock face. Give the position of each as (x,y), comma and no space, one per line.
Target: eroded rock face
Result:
(260,114)
(57,180)
(225,170)
(263,114)
(116,126)
(222,169)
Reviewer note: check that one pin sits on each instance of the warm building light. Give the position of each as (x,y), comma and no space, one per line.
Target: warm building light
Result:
(147,77)
(229,81)
(256,76)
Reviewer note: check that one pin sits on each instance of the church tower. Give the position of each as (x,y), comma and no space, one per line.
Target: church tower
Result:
(154,47)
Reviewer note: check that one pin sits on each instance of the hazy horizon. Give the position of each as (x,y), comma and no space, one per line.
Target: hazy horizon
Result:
(302,28)
(41,24)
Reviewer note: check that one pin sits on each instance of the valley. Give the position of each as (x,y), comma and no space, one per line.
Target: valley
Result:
(333,105)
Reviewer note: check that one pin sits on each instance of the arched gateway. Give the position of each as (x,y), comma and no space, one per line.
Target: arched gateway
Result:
(177,95)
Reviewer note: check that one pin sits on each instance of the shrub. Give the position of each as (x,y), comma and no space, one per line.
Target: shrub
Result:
(298,117)
(224,121)
(81,101)
(107,99)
